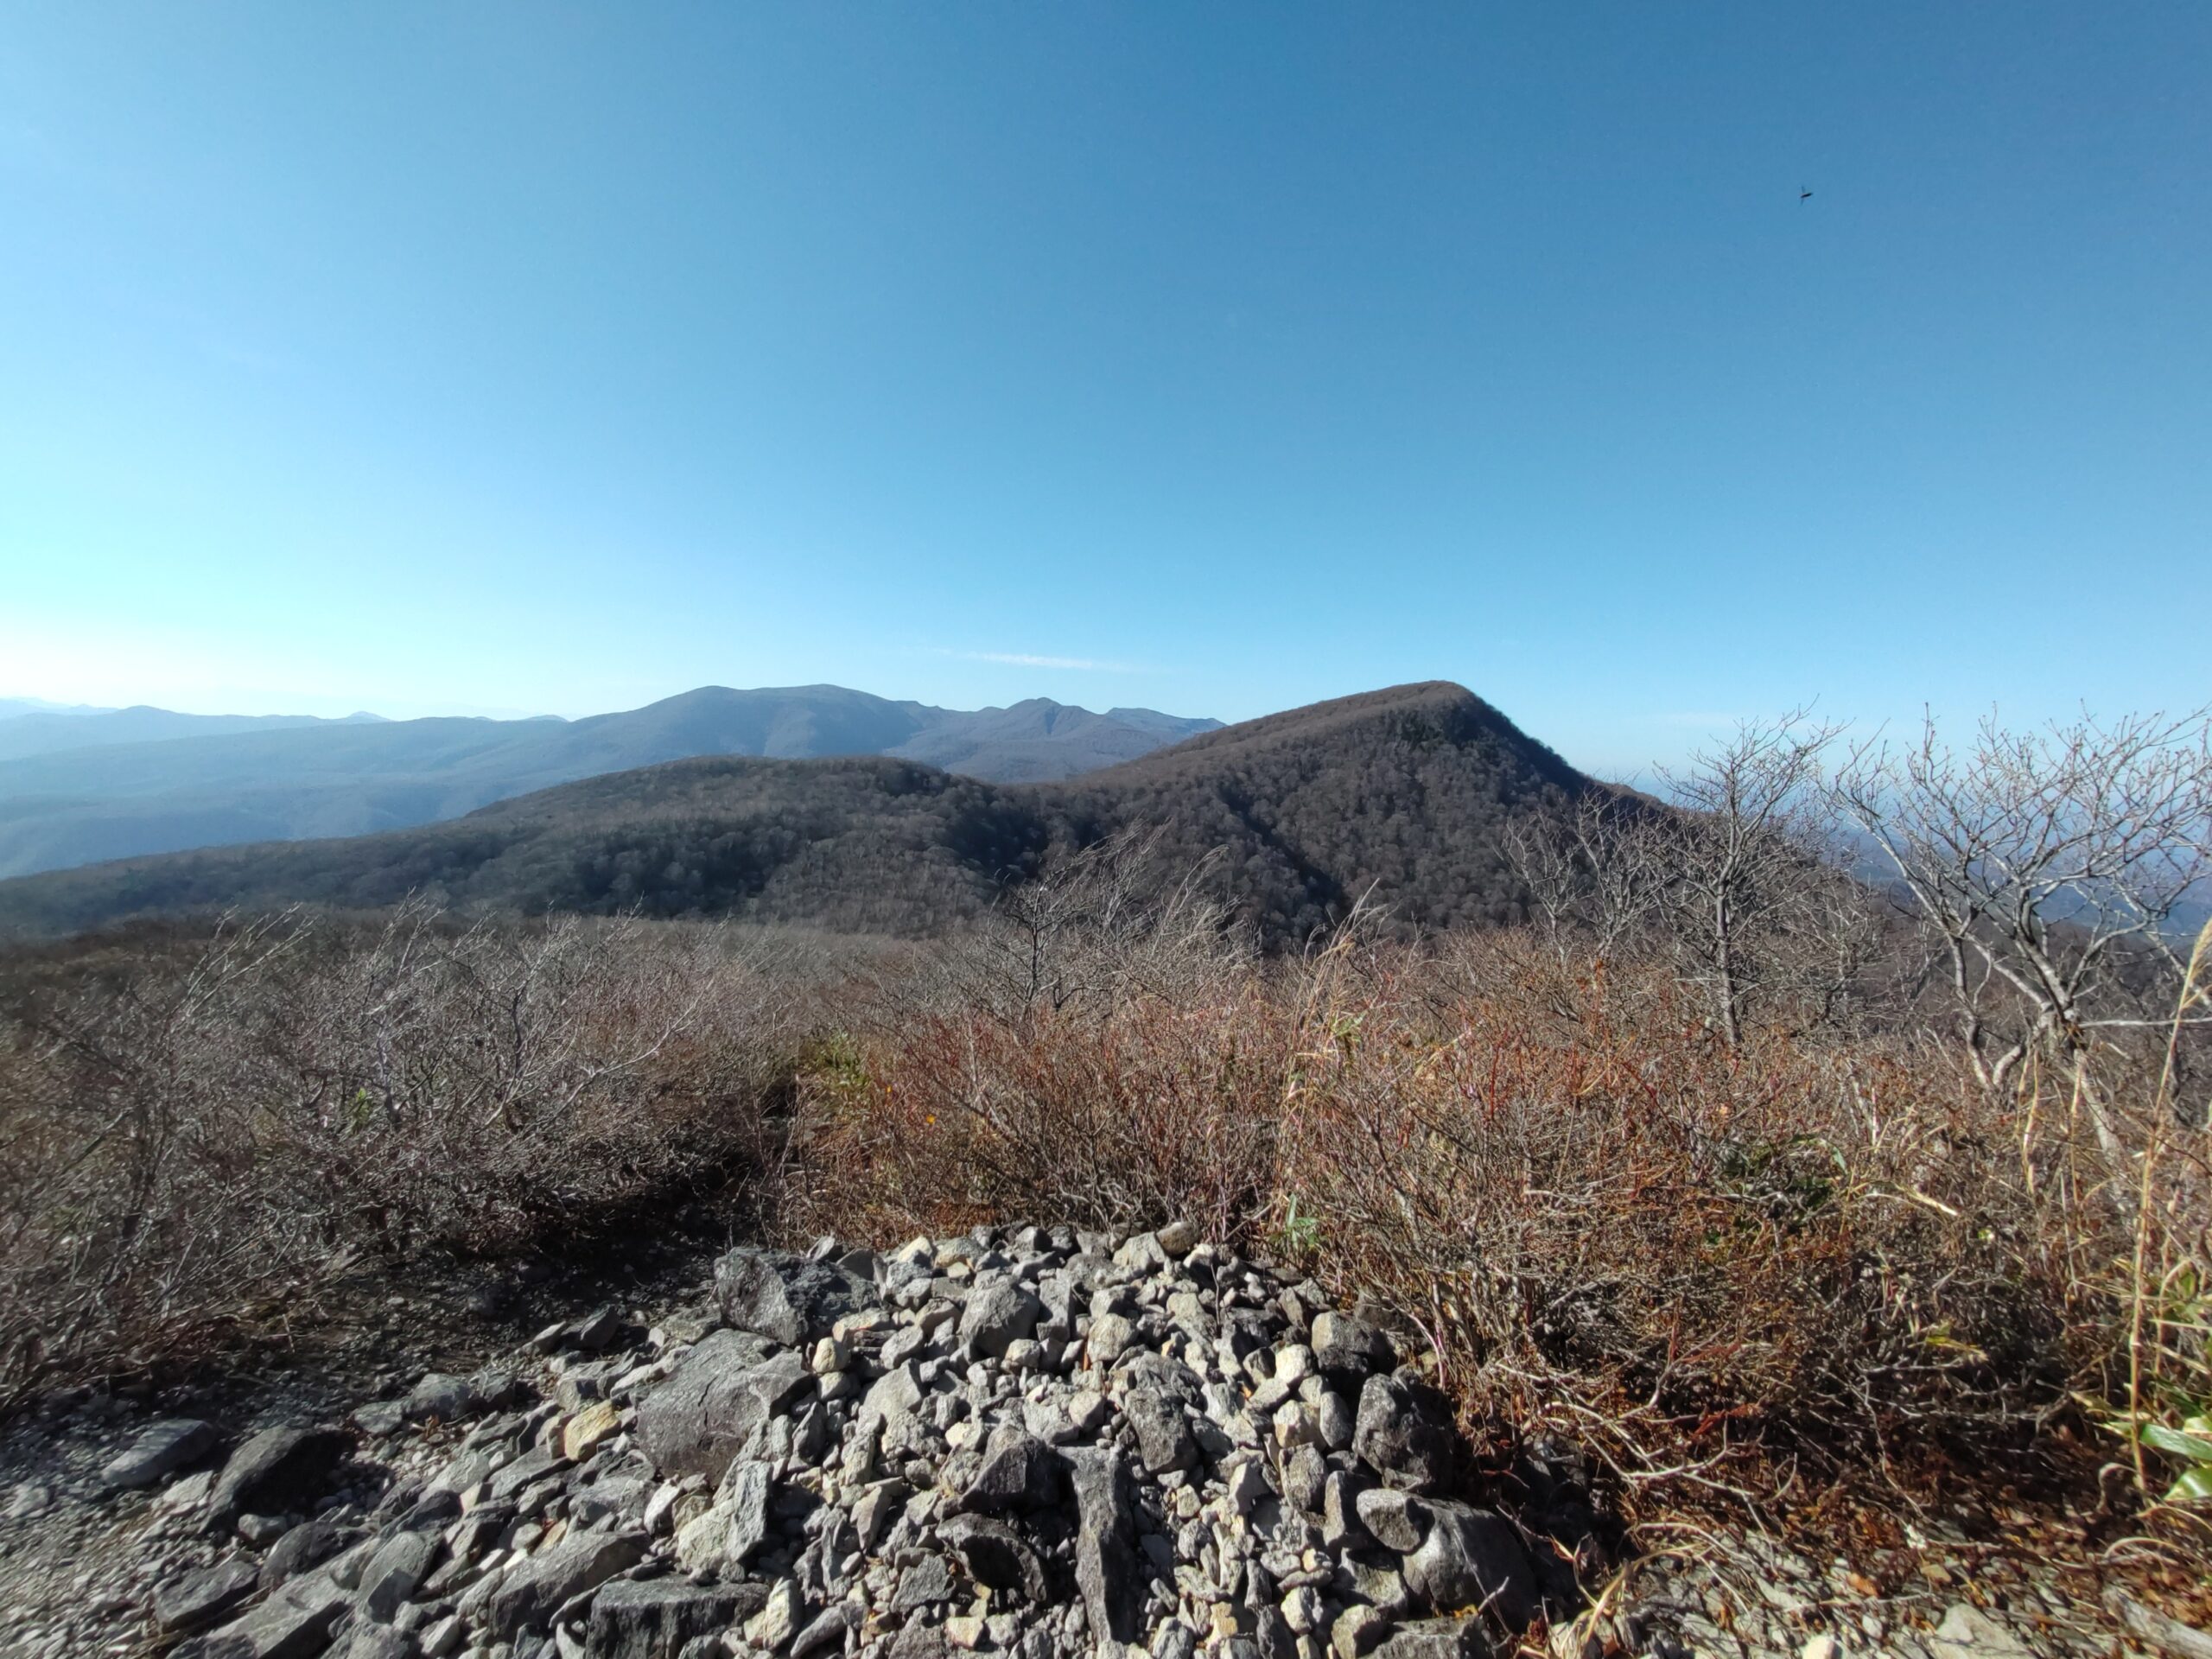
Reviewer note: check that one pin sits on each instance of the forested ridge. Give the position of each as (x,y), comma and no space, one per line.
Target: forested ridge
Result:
(1404,792)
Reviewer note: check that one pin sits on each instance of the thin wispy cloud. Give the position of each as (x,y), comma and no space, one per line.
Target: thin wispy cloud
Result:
(1031,659)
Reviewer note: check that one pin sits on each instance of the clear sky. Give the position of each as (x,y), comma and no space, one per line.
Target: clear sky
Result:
(1214,358)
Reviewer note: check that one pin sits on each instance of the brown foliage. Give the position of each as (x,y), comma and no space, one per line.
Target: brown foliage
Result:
(188,1137)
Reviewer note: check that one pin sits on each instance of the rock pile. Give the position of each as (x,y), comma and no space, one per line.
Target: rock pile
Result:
(1022,1443)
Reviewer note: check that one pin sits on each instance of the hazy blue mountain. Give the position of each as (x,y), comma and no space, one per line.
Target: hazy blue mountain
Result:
(48,731)
(1040,741)
(15,708)
(293,779)
(1402,795)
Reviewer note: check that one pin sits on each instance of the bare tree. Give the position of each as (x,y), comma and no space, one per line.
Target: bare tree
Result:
(1105,921)
(1594,870)
(2047,867)
(1749,846)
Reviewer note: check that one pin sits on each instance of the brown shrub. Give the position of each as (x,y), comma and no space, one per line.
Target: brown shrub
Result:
(188,1140)
(1723,1267)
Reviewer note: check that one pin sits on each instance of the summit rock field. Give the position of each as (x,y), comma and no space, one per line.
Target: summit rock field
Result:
(1016,1441)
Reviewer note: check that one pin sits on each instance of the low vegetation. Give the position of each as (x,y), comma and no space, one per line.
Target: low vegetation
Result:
(1760,1172)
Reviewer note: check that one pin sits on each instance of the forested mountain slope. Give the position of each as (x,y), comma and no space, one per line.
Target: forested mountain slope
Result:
(208,783)
(1405,791)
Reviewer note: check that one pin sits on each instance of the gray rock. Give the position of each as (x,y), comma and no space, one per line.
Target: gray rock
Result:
(596,1332)
(1341,1527)
(259,1529)
(1110,1337)
(1436,1638)
(293,1623)
(786,1297)
(400,1564)
(995,1315)
(448,1399)
(1397,1519)
(893,1397)
(919,1640)
(380,1418)
(724,1537)
(996,1556)
(923,1583)
(202,1598)
(1472,1558)
(1335,1421)
(277,1471)
(1405,1434)
(1105,1546)
(305,1546)
(1176,1239)
(160,1449)
(826,1630)
(1357,1632)
(529,1596)
(1020,1474)
(1304,1473)
(1164,1437)
(1347,1348)
(654,1619)
(374,1642)
(726,1389)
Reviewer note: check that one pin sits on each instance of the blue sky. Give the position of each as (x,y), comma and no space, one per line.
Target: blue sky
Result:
(1216,358)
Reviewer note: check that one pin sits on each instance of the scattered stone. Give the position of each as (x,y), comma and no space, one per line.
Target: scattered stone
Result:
(589,1429)
(654,1619)
(1471,1558)
(527,1597)
(202,1598)
(304,1547)
(447,1399)
(160,1449)
(1405,1431)
(279,1471)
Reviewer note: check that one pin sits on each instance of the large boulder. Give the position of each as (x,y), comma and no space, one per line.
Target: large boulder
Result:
(1472,1558)
(292,1623)
(996,1314)
(278,1471)
(529,1595)
(785,1297)
(1020,1475)
(1405,1433)
(717,1399)
(652,1619)
(1105,1546)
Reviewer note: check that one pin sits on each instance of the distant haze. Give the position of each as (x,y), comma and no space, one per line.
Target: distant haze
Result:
(79,788)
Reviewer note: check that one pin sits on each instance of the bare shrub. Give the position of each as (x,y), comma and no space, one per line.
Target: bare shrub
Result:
(187,1143)
(2044,867)
(1091,1055)
(1706,1262)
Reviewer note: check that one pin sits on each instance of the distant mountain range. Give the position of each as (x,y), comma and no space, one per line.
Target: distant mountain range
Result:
(1401,794)
(79,788)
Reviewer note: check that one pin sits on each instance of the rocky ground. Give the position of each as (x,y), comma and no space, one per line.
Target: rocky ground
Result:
(1014,1442)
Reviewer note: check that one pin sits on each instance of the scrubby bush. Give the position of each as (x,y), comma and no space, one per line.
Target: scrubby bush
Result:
(189,1137)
